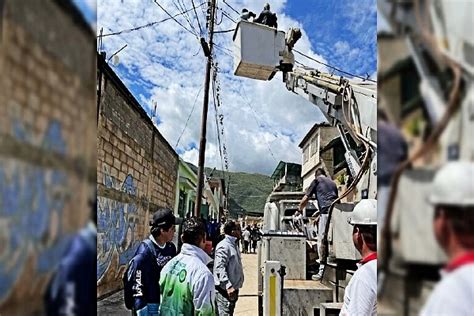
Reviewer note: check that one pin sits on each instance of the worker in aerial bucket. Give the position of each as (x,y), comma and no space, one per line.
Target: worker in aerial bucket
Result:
(246,15)
(267,17)
(360,296)
(452,197)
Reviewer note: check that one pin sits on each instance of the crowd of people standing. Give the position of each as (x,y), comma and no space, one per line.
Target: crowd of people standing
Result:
(197,278)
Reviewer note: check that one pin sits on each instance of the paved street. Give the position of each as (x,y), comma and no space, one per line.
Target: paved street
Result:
(248,301)
(246,305)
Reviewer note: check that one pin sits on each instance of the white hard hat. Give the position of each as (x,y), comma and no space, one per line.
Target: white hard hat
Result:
(364,213)
(453,184)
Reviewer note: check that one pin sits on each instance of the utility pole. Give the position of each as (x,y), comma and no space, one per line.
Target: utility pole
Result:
(202,144)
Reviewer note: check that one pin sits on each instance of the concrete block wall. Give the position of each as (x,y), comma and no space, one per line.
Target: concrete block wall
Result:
(136,173)
(47,144)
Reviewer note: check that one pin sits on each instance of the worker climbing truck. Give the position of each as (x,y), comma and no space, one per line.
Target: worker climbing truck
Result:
(350,105)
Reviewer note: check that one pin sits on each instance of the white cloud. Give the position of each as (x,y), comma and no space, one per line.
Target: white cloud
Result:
(258,115)
(92,4)
(341,47)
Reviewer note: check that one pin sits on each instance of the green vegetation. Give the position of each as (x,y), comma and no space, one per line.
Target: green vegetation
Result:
(248,191)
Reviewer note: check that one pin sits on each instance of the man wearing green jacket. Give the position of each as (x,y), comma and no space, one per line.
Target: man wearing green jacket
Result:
(186,283)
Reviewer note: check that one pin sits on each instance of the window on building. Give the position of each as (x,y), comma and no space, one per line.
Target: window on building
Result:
(315,144)
(306,154)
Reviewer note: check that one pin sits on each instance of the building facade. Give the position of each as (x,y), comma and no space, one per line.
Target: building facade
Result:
(137,173)
(47,144)
(319,136)
(287,177)
(185,190)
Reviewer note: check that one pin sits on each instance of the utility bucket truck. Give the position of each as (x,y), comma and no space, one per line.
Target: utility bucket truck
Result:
(350,105)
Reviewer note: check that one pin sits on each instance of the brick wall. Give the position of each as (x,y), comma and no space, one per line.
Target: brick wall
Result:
(47,143)
(136,173)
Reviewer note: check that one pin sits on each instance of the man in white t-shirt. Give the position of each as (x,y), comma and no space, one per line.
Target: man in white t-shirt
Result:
(452,196)
(360,296)
(246,238)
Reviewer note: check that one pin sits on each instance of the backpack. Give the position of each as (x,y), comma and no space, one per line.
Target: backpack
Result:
(130,272)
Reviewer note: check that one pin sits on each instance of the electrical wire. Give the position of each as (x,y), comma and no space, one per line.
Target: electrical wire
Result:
(254,114)
(189,117)
(221,116)
(231,7)
(220,119)
(214,87)
(224,48)
(430,144)
(224,31)
(220,22)
(197,17)
(227,15)
(333,67)
(174,19)
(223,51)
(182,8)
(143,26)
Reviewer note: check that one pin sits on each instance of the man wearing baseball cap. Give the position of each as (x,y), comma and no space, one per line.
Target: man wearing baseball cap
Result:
(452,197)
(143,273)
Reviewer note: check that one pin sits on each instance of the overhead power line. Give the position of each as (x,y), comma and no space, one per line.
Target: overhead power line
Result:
(145,25)
(219,117)
(197,17)
(216,115)
(174,19)
(189,117)
(182,8)
(225,31)
(227,15)
(231,7)
(254,113)
(224,49)
(333,67)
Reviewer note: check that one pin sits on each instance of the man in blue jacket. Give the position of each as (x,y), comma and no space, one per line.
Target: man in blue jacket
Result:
(149,260)
(72,289)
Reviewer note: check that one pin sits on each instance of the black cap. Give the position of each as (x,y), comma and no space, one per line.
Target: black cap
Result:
(164,216)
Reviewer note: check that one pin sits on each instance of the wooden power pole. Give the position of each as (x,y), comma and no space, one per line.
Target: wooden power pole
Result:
(202,143)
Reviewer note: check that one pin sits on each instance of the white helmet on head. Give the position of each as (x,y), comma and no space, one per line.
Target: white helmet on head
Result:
(364,213)
(453,184)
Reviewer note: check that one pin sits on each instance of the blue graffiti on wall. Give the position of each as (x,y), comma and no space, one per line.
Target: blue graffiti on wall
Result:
(116,226)
(29,197)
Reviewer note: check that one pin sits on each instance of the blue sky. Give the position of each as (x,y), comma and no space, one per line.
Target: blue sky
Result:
(344,32)
(88,9)
(264,122)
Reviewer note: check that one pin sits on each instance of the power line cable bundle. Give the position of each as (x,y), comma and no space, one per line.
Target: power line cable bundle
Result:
(146,25)
(219,116)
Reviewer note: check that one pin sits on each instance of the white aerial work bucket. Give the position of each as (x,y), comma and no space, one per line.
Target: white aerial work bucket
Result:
(258,50)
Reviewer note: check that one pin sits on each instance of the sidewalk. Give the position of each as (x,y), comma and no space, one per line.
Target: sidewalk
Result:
(112,305)
(246,305)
